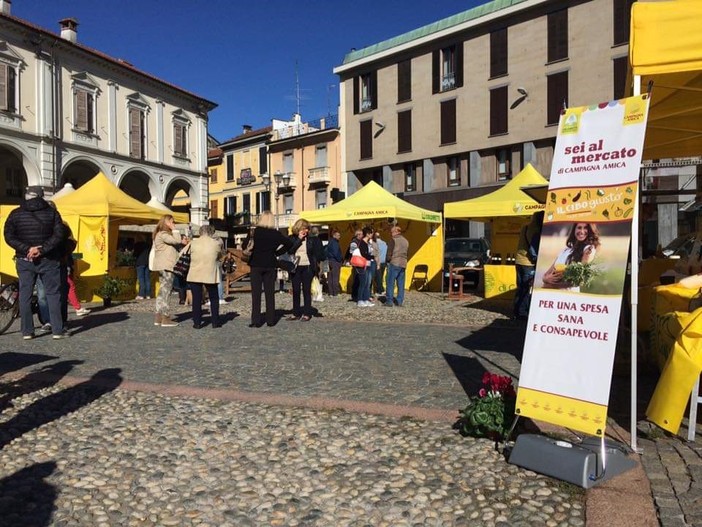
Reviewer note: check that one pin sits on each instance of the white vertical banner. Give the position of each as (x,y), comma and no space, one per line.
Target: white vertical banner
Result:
(574,315)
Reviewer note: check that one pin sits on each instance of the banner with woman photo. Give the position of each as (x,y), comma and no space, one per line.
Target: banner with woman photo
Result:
(574,316)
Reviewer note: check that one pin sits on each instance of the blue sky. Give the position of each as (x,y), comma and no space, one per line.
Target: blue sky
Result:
(241,55)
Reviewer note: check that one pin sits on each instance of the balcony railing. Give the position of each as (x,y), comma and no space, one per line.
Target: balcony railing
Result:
(287,220)
(448,82)
(319,175)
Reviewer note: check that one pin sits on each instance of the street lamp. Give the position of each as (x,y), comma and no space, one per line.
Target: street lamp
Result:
(281,180)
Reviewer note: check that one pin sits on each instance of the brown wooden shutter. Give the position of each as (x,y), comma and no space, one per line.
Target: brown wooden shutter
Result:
(458,57)
(404,80)
(374,90)
(178,133)
(404,131)
(558,35)
(498,53)
(367,139)
(356,94)
(436,71)
(620,66)
(557,86)
(135,133)
(214,209)
(448,122)
(3,87)
(498,111)
(81,102)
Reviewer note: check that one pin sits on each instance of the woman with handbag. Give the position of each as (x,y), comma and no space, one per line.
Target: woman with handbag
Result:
(165,241)
(205,271)
(268,244)
(306,254)
(360,261)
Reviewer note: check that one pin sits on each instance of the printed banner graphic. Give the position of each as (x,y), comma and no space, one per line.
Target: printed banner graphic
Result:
(574,315)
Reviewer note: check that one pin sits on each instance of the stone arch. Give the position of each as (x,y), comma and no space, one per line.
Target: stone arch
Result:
(139,184)
(179,195)
(78,171)
(20,169)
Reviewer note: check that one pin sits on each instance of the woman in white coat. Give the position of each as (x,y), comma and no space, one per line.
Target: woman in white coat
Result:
(166,243)
(206,252)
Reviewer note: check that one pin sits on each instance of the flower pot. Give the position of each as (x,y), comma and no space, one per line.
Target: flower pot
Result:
(106,302)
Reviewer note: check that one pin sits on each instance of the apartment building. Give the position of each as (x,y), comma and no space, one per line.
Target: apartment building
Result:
(237,191)
(452,110)
(68,111)
(305,161)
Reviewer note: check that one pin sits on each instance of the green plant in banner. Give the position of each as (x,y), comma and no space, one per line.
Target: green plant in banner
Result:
(491,412)
(581,274)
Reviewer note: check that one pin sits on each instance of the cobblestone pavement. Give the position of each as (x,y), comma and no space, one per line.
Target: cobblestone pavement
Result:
(100,455)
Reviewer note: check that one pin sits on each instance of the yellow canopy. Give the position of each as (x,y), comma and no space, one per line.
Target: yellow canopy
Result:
(508,200)
(370,202)
(101,197)
(665,47)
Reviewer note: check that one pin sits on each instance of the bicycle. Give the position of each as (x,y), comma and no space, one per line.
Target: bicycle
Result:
(9,305)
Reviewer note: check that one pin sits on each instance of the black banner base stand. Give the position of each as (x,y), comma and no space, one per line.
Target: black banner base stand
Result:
(585,464)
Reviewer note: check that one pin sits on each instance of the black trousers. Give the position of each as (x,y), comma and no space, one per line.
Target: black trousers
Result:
(263,277)
(213,292)
(302,282)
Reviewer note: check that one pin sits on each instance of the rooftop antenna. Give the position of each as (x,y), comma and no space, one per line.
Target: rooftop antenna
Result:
(298,91)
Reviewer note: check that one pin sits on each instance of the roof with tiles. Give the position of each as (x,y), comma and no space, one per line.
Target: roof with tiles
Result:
(253,133)
(435,27)
(118,62)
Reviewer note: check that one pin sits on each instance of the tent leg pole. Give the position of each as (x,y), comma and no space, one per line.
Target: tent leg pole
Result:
(443,243)
(635,299)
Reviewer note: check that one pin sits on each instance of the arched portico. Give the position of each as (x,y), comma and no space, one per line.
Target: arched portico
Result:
(19,170)
(138,184)
(78,171)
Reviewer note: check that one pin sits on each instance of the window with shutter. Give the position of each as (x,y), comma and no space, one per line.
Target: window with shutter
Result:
(404,131)
(498,53)
(321,198)
(620,66)
(84,102)
(558,35)
(404,80)
(498,111)
(410,177)
(214,209)
(369,95)
(320,156)
(230,167)
(288,203)
(262,160)
(621,14)
(136,133)
(557,96)
(213,175)
(448,68)
(453,167)
(366,139)
(179,137)
(448,122)
(8,93)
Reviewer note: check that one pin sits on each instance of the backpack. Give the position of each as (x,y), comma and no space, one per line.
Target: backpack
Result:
(248,250)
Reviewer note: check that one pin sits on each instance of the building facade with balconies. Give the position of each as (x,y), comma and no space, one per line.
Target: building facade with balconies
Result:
(305,161)
(68,112)
(453,109)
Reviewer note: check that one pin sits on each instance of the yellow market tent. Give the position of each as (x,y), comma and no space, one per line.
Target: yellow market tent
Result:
(94,213)
(508,200)
(373,205)
(665,48)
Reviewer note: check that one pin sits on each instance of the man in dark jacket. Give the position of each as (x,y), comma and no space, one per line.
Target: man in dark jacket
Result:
(36,232)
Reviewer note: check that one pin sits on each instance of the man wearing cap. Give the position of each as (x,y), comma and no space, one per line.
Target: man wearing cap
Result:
(36,232)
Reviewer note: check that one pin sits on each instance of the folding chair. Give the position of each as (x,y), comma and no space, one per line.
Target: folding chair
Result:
(420,274)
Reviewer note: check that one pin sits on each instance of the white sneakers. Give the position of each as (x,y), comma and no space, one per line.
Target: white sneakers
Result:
(82,312)
(365,303)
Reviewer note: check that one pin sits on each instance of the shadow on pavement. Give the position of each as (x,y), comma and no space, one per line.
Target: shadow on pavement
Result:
(26,499)
(36,380)
(96,319)
(59,404)
(467,370)
(496,337)
(12,361)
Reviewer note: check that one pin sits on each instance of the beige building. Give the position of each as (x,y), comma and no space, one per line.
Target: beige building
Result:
(68,112)
(451,110)
(305,161)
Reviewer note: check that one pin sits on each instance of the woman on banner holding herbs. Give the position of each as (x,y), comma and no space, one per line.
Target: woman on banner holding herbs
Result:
(581,247)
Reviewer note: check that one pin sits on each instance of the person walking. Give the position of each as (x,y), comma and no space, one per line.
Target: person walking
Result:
(206,252)
(268,244)
(335,259)
(141,250)
(166,241)
(36,232)
(525,264)
(398,248)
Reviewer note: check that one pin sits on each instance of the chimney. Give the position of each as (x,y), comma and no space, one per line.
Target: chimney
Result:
(247,128)
(69,27)
(5,7)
